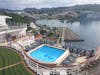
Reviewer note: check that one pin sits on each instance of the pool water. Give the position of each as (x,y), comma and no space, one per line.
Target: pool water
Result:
(46,54)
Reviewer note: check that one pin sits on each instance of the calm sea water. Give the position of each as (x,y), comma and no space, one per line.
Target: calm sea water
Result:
(87,30)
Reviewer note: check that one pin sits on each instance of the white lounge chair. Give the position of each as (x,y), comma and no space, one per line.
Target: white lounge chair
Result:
(63,72)
(46,73)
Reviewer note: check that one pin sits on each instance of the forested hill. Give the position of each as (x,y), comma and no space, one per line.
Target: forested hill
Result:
(72,13)
(89,7)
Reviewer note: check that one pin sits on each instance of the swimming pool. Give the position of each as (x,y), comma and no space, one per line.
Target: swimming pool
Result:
(46,54)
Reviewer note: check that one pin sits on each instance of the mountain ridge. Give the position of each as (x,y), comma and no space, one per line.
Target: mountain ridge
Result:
(89,7)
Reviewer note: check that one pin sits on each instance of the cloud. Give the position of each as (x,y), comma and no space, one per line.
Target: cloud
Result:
(20,4)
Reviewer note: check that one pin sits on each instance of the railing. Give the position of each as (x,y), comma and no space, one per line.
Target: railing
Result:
(13,27)
(18,26)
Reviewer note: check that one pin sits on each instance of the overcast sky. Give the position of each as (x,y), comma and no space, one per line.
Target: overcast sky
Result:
(21,4)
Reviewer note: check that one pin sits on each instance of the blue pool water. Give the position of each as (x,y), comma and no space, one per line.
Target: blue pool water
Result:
(47,54)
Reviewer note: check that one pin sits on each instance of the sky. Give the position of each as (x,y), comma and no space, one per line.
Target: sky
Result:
(21,4)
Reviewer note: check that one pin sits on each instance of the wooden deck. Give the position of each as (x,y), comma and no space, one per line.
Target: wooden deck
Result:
(95,69)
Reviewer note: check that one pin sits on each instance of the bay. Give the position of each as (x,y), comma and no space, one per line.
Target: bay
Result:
(89,31)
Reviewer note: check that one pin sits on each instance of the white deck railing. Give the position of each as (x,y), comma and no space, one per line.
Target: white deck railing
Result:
(13,27)
(18,27)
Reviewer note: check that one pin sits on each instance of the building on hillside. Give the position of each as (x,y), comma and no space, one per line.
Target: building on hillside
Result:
(33,25)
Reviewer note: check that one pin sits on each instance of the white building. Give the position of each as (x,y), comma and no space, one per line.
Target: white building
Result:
(33,25)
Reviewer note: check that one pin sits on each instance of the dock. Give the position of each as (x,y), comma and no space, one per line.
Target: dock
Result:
(71,36)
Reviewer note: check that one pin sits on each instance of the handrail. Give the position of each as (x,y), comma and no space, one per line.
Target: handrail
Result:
(13,27)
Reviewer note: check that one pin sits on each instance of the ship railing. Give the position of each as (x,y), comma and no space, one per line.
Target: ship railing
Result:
(18,27)
(14,26)
(35,65)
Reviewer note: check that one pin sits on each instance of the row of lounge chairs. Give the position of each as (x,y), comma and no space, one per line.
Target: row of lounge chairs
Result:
(32,46)
(71,58)
(82,52)
(45,42)
(37,43)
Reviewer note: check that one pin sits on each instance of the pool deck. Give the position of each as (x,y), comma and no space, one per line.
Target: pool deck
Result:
(81,59)
(57,62)
(95,69)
